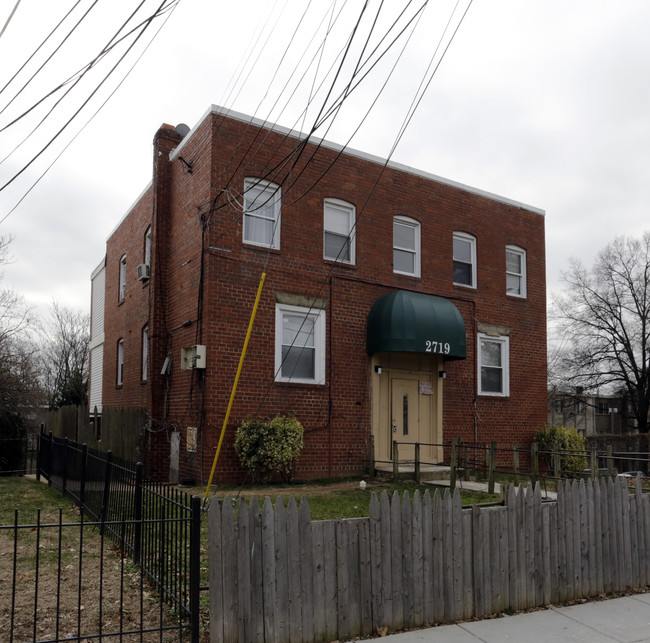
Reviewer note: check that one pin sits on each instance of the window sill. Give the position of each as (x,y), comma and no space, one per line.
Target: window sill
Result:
(407,275)
(260,248)
(340,264)
(300,384)
(465,286)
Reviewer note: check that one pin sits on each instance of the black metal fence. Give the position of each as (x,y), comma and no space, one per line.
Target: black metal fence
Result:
(157,526)
(65,581)
(18,456)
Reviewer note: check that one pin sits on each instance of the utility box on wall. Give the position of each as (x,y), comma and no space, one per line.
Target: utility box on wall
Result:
(193,357)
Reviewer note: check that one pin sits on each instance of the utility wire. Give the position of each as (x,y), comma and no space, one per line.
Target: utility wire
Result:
(147,24)
(291,158)
(335,267)
(357,219)
(258,132)
(49,57)
(407,119)
(295,155)
(346,92)
(79,76)
(11,15)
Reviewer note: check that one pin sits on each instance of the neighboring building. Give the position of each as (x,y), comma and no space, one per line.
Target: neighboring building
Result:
(397,304)
(96,347)
(590,415)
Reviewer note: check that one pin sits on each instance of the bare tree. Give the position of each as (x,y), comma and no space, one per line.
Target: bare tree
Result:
(604,318)
(19,388)
(65,352)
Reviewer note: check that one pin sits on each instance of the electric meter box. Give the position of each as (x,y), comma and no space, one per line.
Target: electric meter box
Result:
(193,357)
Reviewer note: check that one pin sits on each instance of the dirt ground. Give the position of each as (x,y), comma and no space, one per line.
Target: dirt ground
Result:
(58,600)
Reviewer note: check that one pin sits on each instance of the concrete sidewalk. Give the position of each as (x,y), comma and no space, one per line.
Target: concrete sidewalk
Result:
(622,620)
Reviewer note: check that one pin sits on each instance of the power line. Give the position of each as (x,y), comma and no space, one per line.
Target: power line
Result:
(410,113)
(11,15)
(92,117)
(48,58)
(85,102)
(79,77)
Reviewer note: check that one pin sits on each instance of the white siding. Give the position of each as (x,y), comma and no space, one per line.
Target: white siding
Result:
(95,383)
(98,281)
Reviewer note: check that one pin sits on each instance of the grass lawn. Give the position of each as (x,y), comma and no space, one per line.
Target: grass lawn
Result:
(28,496)
(335,498)
(65,577)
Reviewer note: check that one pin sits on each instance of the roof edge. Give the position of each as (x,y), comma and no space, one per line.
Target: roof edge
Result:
(274,127)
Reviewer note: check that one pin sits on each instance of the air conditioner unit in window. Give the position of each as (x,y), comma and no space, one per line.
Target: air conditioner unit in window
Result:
(143,271)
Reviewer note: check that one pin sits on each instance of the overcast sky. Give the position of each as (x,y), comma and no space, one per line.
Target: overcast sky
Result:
(544,101)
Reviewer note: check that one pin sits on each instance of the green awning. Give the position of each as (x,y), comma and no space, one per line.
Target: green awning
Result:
(411,322)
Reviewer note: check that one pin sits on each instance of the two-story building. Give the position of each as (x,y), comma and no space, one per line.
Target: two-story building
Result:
(397,305)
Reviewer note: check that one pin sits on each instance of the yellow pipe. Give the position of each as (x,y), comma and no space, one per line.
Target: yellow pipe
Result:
(234,386)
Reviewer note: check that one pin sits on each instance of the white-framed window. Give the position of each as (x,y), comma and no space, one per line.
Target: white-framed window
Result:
(122,283)
(338,230)
(493,365)
(299,344)
(261,213)
(406,246)
(464,259)
(515,271)
(147,246)
(145,353)
(120,362)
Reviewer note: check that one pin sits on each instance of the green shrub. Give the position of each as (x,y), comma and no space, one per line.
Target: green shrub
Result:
(268,447)
(568,443)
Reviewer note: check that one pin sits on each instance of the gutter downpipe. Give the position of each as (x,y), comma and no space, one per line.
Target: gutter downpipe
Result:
(234,386)
(330,418)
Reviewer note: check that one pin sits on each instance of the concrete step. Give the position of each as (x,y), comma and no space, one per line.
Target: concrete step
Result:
(427,472)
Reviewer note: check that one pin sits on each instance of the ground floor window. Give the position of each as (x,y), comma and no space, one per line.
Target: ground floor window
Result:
(299,344)
(493,365)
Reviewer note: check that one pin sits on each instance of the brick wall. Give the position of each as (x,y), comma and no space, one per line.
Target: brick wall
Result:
(203,274)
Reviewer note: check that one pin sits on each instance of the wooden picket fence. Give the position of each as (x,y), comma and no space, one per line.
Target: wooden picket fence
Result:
(277,576)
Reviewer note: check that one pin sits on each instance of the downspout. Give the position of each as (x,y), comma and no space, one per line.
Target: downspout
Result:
(330,401)
(234,386)
(199,338)
(475,340)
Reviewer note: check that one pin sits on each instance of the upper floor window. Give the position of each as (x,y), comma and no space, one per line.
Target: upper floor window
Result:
(147,246)
(602,408)
(493,365)
(145,353)
(515,271)
(406,246)
(261,213)
(338,231)
(122,282)
(120,362)
(299,344)
(464,259)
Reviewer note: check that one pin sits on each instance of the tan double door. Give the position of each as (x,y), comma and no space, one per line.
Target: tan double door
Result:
(407,406)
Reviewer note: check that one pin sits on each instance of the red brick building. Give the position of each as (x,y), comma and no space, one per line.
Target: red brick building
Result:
(397,304)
